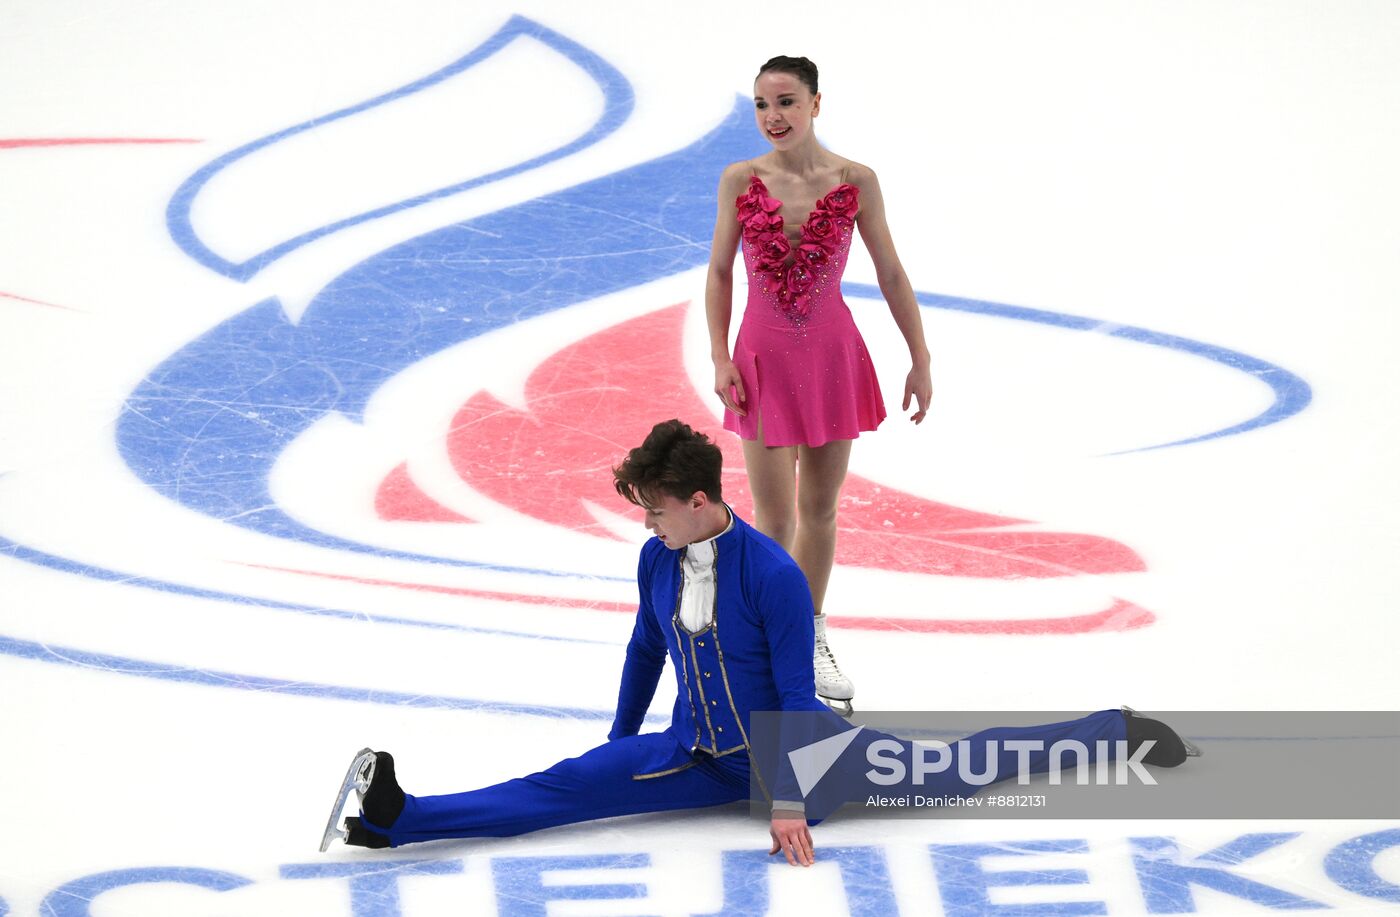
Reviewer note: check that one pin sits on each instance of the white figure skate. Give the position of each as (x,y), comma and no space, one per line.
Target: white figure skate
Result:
(357,778)
(834,688)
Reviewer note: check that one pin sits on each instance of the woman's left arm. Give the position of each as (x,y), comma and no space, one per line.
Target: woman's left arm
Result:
(894,286)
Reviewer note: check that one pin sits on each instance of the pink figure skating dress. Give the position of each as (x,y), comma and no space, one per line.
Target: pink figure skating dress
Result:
(805,368)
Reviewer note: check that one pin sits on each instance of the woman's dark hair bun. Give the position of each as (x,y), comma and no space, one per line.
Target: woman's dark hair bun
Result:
(800,67)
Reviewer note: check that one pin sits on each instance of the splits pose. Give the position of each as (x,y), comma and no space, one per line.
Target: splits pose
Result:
(800,386)
(733,613)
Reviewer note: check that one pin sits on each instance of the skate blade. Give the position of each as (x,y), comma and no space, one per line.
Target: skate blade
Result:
(841,706)
(357,778)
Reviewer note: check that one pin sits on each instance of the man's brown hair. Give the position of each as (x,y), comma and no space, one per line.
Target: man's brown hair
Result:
(674,460)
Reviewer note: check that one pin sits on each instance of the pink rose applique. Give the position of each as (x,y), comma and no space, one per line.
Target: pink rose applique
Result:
(773,249)
(797,285)
(757,212)
(760,223)
(842,201)
(822,229)
(813,254)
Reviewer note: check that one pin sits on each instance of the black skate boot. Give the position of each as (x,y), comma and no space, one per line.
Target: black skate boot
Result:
(371,776)
(357,835)
(1168,750)
(382,800)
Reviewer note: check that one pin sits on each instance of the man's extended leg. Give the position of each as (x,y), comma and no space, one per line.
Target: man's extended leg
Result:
(961,768)
(1098,734)
(600,783)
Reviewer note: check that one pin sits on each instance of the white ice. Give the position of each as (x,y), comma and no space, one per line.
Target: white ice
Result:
(1222,172)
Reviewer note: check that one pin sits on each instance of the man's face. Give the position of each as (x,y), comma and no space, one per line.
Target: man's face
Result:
(676,522)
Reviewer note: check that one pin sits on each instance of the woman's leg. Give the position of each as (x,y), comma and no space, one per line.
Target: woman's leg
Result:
(772,473)
(820,473)
(801,516)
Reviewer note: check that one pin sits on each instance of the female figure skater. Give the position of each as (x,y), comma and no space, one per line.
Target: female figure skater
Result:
(800,385)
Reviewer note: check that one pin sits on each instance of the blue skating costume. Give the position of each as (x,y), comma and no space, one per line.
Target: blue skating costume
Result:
(755,654)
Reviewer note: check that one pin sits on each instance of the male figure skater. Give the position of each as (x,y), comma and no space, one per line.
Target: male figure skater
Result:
(733,612)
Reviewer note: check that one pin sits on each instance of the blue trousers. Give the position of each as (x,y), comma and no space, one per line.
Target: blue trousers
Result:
(597,784)
(600,783)
(964,767)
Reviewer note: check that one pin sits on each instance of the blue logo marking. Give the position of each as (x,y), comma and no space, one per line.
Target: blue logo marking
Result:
(207,425)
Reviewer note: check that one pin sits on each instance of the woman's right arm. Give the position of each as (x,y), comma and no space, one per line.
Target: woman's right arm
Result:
(719,289)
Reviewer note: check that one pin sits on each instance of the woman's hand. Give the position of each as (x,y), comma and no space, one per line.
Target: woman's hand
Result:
(918,385)
(790,835)
(729,387)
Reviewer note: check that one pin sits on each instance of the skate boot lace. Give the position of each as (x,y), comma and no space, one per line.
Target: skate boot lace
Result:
(826,662)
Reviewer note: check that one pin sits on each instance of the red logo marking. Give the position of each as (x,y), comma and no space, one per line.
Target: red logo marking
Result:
(37,302)
(1122,615)
(399,499)
(595,399)
(19,142)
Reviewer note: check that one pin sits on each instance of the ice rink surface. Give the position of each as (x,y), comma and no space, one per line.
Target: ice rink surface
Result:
(321,324)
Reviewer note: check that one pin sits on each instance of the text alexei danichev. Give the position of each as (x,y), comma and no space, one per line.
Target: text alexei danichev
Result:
(967,802)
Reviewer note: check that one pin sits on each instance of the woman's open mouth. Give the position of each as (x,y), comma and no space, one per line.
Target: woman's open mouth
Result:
(779,133)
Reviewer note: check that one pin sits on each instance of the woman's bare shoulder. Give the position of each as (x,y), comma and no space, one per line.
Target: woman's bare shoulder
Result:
(735,176)
(860,175)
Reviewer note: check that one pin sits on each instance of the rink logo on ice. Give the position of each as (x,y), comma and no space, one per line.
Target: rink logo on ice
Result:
(213,426)
(272,420)
(291,418)
(1051,876)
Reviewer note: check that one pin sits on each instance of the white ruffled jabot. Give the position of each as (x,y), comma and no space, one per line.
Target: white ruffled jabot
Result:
(698,588)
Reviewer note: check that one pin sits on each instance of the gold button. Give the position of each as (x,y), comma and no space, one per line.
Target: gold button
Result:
(714,703)
(721,729)
(707,674)
(702,642)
